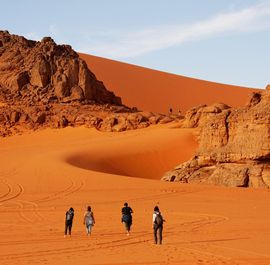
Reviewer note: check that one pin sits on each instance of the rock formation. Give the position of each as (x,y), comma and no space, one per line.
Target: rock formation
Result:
(47,85)
(41,71)
(234,145)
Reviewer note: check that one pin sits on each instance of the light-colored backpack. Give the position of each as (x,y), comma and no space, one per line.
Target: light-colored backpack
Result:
(89,218)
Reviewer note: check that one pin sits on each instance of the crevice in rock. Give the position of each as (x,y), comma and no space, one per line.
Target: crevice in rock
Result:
(172,178)
(255,99)
(246,180)
(263,159)
(227,126)
(261,177)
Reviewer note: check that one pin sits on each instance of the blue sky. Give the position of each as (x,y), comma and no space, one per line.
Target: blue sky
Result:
(226,41)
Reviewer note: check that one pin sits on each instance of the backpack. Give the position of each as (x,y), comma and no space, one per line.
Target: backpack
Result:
(126,210)
(126,218)
(89,218)
(69,216)
(159,219)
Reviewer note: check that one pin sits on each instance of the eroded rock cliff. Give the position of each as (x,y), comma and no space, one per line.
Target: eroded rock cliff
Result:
(234,145)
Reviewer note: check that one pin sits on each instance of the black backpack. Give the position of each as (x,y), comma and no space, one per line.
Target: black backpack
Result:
(159,219)
(69,216)
(126,218)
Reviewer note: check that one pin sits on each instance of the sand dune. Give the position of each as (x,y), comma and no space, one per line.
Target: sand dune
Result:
(137,159)
(158,91)
(44,173)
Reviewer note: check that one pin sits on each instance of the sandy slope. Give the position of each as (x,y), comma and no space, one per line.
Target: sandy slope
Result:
(44,173)
(157,91)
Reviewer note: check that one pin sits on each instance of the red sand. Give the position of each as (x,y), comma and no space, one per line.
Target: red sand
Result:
(44,173)
(42,176)
(157,91)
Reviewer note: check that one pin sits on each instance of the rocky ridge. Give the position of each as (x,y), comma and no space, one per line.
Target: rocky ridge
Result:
(42,71)
(43,84)
(109,118)
(234,145)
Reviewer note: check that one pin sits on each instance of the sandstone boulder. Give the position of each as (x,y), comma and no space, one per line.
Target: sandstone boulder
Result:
(40,72)
(76,93)
(198,115)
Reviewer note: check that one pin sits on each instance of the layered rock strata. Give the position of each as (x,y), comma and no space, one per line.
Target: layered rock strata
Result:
(234,145)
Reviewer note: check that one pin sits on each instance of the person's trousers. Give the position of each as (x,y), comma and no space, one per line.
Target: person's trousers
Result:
(158,230)
(127,225)
(68,227)
(88,229)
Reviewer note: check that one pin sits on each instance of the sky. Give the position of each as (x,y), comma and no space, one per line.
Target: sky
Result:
(226,41)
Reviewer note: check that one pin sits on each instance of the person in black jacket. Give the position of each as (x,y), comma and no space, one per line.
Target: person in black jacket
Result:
(157,225)
(69,221)
(127,217)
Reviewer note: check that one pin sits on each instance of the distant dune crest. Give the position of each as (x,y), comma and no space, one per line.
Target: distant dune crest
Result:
(157,91)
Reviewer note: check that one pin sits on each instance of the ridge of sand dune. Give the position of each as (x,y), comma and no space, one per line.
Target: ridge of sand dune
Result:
(161,90)
(205,225)
(145,155)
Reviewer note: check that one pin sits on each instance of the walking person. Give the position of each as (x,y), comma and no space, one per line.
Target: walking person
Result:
(157,225)
(127,217)
(69,221)
(89,220)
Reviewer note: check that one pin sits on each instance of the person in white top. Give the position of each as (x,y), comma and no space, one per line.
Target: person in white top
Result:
(157,225)
(89,220)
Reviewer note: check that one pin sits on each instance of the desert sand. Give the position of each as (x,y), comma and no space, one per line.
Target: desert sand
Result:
(44,173)
(157,91)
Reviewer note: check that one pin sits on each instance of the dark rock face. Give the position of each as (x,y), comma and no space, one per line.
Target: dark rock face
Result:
(43,71)
(234,147)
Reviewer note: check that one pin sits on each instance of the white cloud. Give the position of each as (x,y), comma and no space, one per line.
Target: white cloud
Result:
(52,31)
(32,36)
(134,43)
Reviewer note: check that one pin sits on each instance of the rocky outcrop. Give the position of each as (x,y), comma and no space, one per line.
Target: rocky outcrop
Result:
(200,114)
(108,118)
(130,121)
(234,145)
(47,85)
(45,72)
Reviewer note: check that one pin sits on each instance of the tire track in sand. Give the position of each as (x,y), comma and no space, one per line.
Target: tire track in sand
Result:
(9,199)
(72,188)
(14,191)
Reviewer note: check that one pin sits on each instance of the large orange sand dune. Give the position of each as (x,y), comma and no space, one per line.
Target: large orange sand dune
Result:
(157,91)
(44,173)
